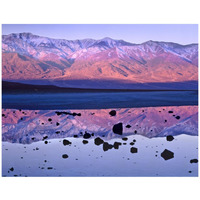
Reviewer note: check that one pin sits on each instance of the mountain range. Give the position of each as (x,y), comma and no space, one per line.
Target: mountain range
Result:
(104,63)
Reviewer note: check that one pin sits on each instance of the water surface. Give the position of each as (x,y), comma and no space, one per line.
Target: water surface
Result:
(99,100)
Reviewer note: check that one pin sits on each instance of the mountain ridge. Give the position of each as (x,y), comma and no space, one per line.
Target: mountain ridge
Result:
(27,56)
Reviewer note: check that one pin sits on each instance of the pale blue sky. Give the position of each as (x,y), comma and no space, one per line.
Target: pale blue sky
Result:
(135,33)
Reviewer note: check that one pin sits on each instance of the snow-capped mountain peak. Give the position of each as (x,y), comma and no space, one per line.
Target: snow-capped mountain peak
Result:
(46,58)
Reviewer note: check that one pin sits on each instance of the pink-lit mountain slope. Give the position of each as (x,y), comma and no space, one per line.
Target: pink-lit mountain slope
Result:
(27,58)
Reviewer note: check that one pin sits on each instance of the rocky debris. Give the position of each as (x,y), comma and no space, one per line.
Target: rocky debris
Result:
(117,144)
(86,135)
(166,154)
(66,142)
(193,161)
(84,141)
(65,156)
(107,146)
(98,141)
(169,138)
(68,113)
(118,128)
(112,113)
(133,150)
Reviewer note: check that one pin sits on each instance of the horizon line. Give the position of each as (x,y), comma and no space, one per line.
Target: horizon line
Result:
(100,39)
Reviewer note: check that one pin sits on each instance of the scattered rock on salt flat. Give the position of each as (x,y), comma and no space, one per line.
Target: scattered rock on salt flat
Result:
(45,137)
(49,168)
(170,138)
(112,113)
(65,156)
(166,154)
(118,128)
(86,135)
(125,138)
(98,141)
(107,146)
(68,113)
(193,161)
(133,150)
(84,141)
(49,119)
(66,142)
(11,169)
(117,144)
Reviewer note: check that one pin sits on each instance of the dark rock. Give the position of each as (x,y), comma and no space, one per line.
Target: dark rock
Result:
(84,141)
(125,138)
(128,126)
(165,120)
(98,141)
(166,154)
(107,146)
(65,156)
(112,112)
(67,113)
(66,142)
(135,131)
(178,117)
(118,128)
(194,161)
(57,124)
(11,169)
(170,138)
(117,144)
(57,132)
(49,119)
(75,136)
(45,137)
(132,143)
(133,150)
(86,135)
(170,111)
(49,167)
(46,142)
